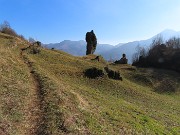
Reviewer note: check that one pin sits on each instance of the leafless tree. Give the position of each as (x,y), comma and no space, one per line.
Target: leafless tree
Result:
(6,28)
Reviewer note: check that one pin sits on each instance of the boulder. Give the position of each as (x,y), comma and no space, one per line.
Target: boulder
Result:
(123,60)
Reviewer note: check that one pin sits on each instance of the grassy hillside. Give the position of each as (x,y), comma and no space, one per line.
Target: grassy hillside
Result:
(47,93)
(16,88)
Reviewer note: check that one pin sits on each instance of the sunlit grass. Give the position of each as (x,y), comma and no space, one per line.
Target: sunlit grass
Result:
(71,103)
(102,112)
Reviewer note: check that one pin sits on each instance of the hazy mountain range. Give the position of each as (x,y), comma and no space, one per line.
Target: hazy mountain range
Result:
(78,48)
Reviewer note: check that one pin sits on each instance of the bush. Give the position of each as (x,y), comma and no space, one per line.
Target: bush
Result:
(94,73)
(113,74)
(6,29)
(35,50)
(31,40)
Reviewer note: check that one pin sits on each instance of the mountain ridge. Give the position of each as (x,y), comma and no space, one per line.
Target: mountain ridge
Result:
(110,52)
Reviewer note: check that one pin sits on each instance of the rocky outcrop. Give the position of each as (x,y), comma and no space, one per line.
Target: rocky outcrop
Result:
(123,60)
(91,42)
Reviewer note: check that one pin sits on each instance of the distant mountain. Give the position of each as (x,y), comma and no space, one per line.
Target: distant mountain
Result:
(166,34)
(103,48)
(130,48)
(120,44)
(78,48)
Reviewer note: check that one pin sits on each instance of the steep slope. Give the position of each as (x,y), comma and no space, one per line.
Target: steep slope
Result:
(67,102)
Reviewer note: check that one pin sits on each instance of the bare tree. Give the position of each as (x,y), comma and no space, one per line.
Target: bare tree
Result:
(173,43)
(157,41)
(140,52)
(6,28)
(31,40)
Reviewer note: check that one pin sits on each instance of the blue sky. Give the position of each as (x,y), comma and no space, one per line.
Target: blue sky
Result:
(113,21)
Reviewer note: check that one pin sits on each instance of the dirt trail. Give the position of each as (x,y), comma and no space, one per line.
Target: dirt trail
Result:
(33,110)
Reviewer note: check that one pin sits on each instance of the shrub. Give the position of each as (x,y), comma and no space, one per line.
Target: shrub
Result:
(35,50)
(94,73)
(6,29)
(113,74)
(31,40)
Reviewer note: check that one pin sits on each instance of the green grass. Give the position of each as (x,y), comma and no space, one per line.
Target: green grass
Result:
(160,112)
(145,102)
